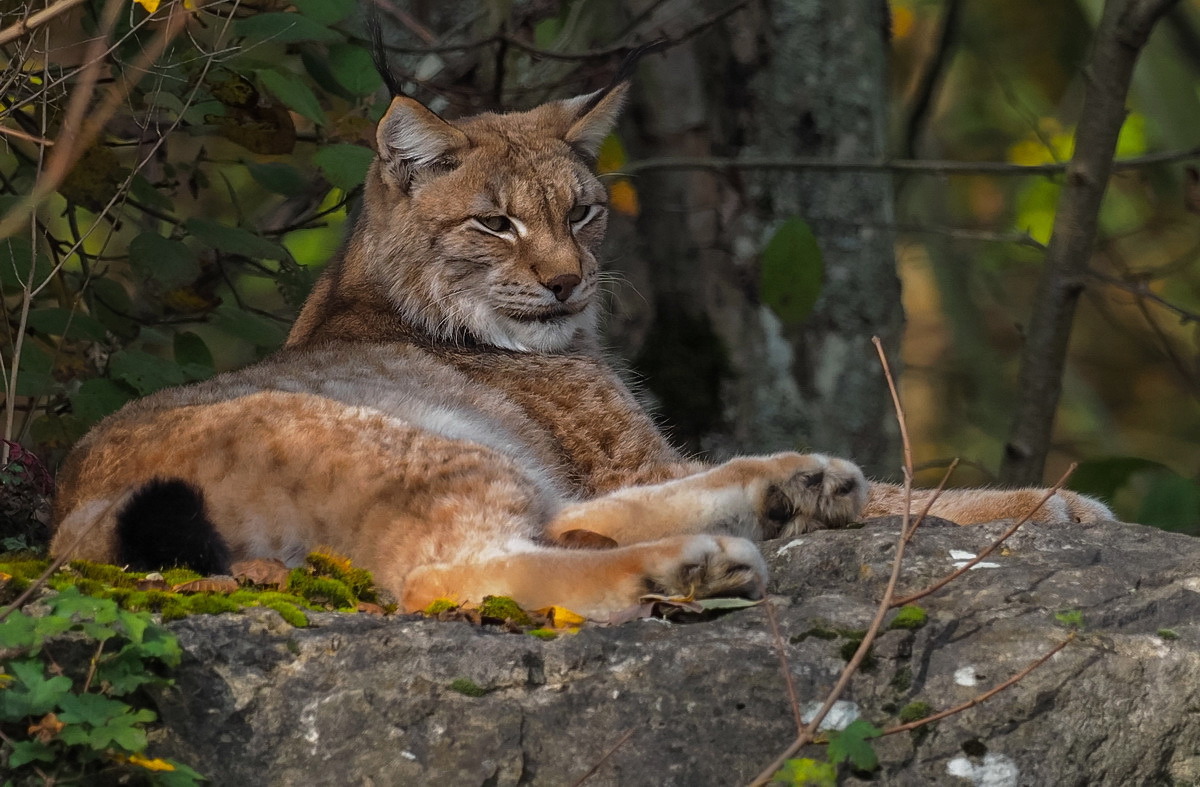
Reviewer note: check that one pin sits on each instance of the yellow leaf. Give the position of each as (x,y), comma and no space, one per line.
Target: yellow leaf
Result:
(150,765)
(561,617)
(623,198)
(903,21)
(150,5)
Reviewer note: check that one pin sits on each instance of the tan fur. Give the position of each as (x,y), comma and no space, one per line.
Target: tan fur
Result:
(442,415)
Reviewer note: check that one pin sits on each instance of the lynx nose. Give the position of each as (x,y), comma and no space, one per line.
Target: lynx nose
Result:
(563,285)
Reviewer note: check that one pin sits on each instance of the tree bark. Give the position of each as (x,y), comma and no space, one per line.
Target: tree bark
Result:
(800,78)
(1123,30)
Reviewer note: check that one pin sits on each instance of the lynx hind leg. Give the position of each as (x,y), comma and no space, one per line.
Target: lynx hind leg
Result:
(597,583)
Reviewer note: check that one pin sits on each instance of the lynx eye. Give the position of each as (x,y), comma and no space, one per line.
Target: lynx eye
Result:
(579,214)
(495,224)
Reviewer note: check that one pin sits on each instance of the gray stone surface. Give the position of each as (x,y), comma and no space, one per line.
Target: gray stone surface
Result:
(367,700)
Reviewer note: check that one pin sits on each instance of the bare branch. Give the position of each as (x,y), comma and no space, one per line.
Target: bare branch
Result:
(33,21)
(964,568)
(912,725)
(1124,28)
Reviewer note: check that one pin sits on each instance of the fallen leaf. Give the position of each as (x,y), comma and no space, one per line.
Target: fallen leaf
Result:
(267,572)
(728,603)
(561,617)
(46,729)
(369,608)
(217,584)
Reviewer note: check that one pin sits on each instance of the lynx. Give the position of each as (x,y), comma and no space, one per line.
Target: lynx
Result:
(442,414)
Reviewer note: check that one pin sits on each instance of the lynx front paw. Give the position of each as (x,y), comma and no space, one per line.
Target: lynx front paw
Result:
(704,567)
(805,492)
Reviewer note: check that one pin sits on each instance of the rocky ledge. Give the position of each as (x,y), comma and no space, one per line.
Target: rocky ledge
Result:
(359,699)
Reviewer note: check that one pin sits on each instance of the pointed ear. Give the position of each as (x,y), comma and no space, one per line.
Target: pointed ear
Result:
(595,117)
(411,136)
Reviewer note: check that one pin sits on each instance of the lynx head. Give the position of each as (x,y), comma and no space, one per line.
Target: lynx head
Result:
(487,228)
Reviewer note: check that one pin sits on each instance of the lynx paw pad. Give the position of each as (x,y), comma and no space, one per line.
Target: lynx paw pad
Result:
(708,566)
(813,491)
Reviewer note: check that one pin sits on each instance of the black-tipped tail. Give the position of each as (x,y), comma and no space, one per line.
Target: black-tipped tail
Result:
(165,524)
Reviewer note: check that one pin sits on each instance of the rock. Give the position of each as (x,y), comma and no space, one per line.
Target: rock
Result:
(363,699)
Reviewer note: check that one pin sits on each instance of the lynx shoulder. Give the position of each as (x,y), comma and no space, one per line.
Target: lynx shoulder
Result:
(441,414)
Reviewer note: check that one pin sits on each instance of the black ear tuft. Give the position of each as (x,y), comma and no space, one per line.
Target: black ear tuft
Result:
(379,53)
(624,72)
(165,524)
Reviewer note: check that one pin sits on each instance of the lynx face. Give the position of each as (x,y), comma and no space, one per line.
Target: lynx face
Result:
(490,227)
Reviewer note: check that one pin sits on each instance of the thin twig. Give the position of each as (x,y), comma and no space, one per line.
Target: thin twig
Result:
(953,575)
(781,650)
(923,166)
(809,732)
(912,725)
(91,673)
(13,32)
(592,771)
(19,134)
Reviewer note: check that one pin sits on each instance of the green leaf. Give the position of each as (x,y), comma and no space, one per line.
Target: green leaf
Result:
(804,772)
(284,28)
(109,303)
(791,272)
(353,69)
(31,693)
(36,371)
(15,256)
(326,12)
(145,372)
(344,165)
(73,604)
(851,744)
(99,397)
(193,356)
(168,262)
(24,752)
(18,632)
(1172,502)
(68,323)
(143,191)
(235,240)
(255,329)
(293,92)
(93,709)
(727,603)
(278,177)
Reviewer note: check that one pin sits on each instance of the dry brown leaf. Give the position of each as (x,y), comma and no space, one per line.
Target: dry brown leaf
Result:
(267,572)
(218,584)
(46,729)
(369,608)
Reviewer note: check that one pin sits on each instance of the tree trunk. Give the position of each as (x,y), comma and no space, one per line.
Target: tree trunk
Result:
(804,78)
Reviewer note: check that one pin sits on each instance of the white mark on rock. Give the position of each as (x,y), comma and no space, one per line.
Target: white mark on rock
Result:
(308,723)
(996,770)
(406,754)
(1191,583)
(965,676)
(616,693)
(783,550)
(840,716)
(961,558)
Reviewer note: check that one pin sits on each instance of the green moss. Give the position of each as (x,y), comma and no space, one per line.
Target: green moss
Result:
(359,580)
(290,613)
(1168,634)
(850,647)
(105,574)
(439,605)
(504,608)
(467,687)
(915,711)
(902,680)
(544,633)
(321,590)
(909,617)
(177,576)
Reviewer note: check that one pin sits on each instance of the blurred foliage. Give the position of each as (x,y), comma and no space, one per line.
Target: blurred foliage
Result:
(187,237)
(1010,89)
